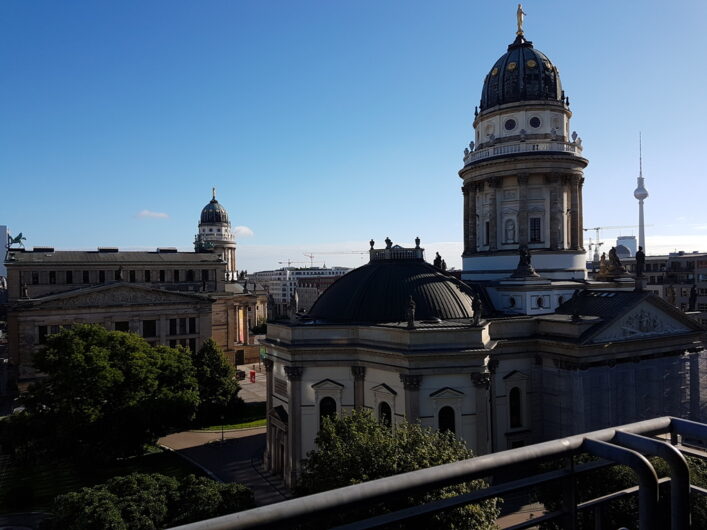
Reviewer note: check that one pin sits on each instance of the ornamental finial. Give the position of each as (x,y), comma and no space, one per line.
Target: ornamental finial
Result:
(213,193)
(519,17)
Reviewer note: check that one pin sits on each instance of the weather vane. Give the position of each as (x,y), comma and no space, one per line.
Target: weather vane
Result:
(519,16)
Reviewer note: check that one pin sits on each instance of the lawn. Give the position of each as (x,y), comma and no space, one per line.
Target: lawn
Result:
(32,488)
(232,426)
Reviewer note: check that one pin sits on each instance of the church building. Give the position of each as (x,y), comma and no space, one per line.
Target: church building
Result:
(523,348)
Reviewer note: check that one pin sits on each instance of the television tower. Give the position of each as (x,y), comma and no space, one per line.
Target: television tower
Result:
(640,193)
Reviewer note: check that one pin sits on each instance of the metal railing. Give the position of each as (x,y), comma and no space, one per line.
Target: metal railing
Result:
(522,147)
(625,444)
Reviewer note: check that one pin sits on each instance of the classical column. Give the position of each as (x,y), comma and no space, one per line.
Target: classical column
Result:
(473,218)
(555,212)
(481,382)
(294,427)
(411,384)
(580,217)
(523,209)
(359,374)
(570,185)
(494,183)
(467,242)
(269,447)
(469,218)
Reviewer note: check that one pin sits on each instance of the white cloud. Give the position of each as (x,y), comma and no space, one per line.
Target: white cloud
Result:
(148,214)
(243,231)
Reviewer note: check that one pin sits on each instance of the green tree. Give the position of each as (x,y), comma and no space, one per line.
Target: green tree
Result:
(218,388)
(147,502)
(105,394)
(357,448)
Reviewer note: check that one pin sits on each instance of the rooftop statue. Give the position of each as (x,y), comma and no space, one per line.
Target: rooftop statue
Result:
(640,262)
(388,243)
(476,307)
(437,261)
(520,14)
(525,268)
(411,312)
(615,266)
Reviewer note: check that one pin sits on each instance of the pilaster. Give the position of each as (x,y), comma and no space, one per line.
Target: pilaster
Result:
(411,384)
(359,375)
(494,184)
(481,382)
(267,457)
(294,429)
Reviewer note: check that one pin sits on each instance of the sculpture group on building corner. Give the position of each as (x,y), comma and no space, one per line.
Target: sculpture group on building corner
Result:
(525,267)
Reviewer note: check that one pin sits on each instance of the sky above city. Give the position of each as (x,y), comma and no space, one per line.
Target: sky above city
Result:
(323,124)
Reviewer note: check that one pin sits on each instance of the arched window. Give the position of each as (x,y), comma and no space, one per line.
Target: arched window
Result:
(385,415)
(515,407)
(510,230)
(327,409)
(446,419)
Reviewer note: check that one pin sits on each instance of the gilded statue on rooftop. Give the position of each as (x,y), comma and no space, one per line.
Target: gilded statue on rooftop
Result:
(520,14)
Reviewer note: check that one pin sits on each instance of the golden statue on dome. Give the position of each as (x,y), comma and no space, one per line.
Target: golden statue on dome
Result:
(519,16)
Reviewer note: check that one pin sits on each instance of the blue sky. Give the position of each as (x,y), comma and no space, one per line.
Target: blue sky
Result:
(325,123)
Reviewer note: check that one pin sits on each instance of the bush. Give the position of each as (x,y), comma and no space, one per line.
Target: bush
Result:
(146,502)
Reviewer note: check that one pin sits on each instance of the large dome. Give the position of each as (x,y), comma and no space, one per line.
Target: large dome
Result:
(521,74)
(214,213)
(380,291)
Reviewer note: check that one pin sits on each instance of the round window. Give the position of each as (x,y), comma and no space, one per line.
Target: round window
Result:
(510,125)
(534,122)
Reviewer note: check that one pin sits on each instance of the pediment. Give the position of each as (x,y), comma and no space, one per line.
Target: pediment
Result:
(515,375)
(384,389)
(115,295)
(642,322)
(327,384)
(446,392)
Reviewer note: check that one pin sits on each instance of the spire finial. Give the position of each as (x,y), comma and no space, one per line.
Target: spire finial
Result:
(213,193)
(640,156)
(519,18)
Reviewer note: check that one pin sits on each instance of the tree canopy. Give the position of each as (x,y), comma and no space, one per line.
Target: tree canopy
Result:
(105,394)
(218,388)
(147,502)
(357,448)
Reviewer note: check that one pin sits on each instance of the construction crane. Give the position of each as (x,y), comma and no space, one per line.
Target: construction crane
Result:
(290,262)
(598,242)
(333,253)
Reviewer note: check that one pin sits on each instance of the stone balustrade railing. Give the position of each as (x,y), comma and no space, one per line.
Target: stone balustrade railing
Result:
(523,147)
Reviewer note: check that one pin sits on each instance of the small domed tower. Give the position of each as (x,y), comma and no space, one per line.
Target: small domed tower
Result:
(523,173)
(214,235)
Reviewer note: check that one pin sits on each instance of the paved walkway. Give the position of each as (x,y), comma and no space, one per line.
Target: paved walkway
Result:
(237,459)
(252,392)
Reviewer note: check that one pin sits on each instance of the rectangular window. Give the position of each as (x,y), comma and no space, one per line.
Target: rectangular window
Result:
(162,276)
(116,275)
(69,276)
(535,232)
(122,325)
(52,277)
(487,233)
(702,307)
(85,277)
(192,325)
(182,326)
(149,328)
(173,343)
(172,326)
(101,276)
(42,333)
(205,275)
(192,345)
(147,276)
(132,276)
(35,278)
(175,276)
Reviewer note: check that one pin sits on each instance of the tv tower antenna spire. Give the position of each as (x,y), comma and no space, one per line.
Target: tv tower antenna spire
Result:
(641,194)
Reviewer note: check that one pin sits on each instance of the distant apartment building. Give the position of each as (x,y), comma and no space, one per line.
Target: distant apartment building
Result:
(282,284)
(679,278)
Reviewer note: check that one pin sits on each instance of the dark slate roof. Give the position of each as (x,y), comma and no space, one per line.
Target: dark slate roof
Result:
(521,74)
(604,304)
(214,213)
(379,292)
(95,257)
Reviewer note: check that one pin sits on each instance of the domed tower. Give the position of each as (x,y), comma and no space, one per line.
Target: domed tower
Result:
(523,173)
(214,235)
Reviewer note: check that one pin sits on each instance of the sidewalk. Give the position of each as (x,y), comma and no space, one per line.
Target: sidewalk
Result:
(237,459)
